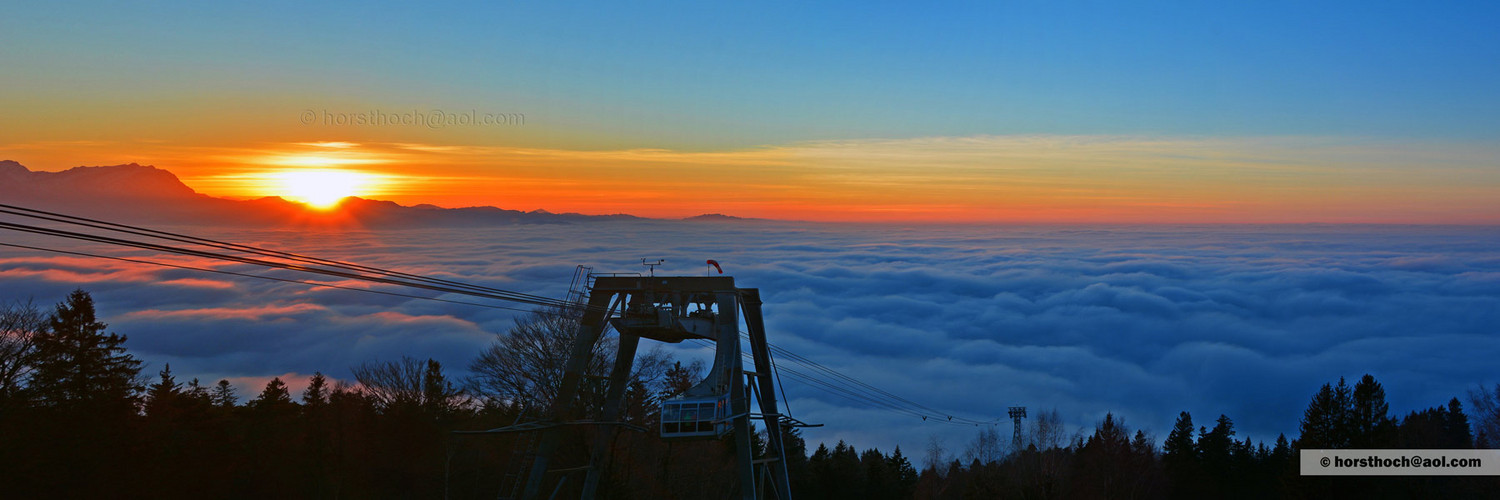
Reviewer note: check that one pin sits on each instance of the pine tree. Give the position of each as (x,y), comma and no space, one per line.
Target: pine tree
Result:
(1180,458)
(1179,447)
(1142,445)
(1326,422)
(274,397)
(162,398)
(1282,453)
(1216,446)
(904,475)
(223,395)
(196,392)
(439,396)
(316,395)
(1370,427)
(81,367)
(878,482)
(1456,427)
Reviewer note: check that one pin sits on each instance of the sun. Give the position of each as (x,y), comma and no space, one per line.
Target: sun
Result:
(322,189)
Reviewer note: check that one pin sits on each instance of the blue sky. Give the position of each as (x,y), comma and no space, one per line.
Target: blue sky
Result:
(695,76)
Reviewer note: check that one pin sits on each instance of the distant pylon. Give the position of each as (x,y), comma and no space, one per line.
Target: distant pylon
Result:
(1016,414)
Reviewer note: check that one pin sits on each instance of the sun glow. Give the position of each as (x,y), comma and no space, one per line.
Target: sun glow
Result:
(323,189)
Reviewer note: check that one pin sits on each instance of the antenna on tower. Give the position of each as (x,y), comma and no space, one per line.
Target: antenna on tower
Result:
(652,265)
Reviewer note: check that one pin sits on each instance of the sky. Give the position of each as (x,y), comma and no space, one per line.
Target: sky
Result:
(1140,321)
(1174,112)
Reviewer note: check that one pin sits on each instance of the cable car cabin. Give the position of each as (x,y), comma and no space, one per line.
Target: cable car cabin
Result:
(661,323)
(695,418)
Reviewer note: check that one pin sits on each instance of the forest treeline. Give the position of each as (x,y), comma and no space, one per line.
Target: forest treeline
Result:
(82,419)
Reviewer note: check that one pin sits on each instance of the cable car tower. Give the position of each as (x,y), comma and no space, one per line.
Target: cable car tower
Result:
(673,309)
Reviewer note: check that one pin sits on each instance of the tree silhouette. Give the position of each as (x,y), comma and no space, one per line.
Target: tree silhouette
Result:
(223,395)
(275,397)
(1326,422)
(316,395)
(903,475)
(1437,427)
(410,384)
(679,378)
(1486,408)
(78,366)
(524,367)
(163,397)
(986,447)
(20,323)
(1370,426)
(1180,457)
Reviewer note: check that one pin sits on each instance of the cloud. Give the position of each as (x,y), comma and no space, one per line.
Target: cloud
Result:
(222,313)
(1141,321)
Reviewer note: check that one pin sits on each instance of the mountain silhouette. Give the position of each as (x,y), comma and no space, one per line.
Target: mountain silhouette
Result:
(146,194)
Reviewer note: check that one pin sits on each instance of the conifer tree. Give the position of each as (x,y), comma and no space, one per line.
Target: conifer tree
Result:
(79,366)
(162,397)
(1327,421)
(223,395)
(1370,426)
(274,397)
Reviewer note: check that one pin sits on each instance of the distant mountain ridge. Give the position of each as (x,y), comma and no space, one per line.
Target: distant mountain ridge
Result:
(144,193)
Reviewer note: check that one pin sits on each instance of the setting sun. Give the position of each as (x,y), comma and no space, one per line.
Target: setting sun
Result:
(322,188)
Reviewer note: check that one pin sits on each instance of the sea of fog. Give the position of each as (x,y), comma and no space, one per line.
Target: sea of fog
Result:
(1141,321)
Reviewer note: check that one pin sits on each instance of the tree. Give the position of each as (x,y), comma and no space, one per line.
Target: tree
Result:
(1180,458)
(524,367)
(1218,455)
(679,378)
(81,367)
(1326,422)
(1456,426)
(1143,444)
(275,397)
(163,397)
(903,475)
(986,448)
(876,472)
(20,323)
(1436,428)
(844,472)
(196,392)
(935,459)
(1179,446)
(1215,446)
(1282,453)
(316,395)
(1370,426)
(223,395)
(410,383)
(1047,429)
(1110,465)
(1486,407)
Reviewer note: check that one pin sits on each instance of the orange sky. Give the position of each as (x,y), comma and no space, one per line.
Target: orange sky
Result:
(962,179)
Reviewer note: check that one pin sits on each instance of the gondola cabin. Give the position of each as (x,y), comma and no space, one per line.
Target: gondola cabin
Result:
(695,418)
(663,323)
